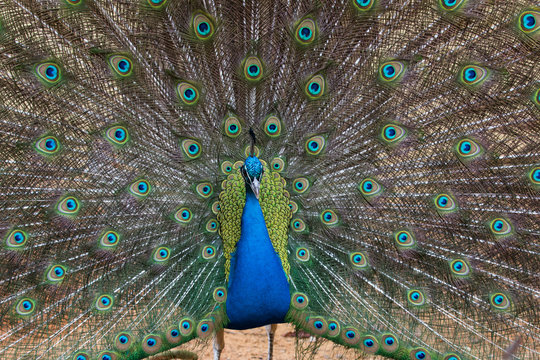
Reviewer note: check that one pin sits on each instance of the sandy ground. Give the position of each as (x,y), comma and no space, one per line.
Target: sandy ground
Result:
(253,345)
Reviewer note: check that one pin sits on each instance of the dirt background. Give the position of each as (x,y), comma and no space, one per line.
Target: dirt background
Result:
(253,345)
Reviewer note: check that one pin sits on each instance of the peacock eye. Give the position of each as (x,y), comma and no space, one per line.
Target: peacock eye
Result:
(204,190)
(151,344)
(121,65)
(404,238)
(161,254)
(191,148)
(392,134)
(302,254)
(391,71)
(445,203)
(140,188)
(104,302)
(203,26)
(68,206)
(212,225)
(183,215)
(306,31)
(188,93)
(300,185)
(123,341)
(272,126)
(157,4)
(500,301)
(277,164)
(389,343)
(473,75)
(16,239)
(370,188)
(529,21)
(369,344)
(232,126)
(253,69)
(205,328)
(363,5)
(56,273)
(49,73)
(220,294)
(416,297)
(47,145)
(298,225)
(299,301)
(500,227)
(358,260)
(459,267)
(25,307)
(329,218)
(450,5)
(109,239)
(315,145)
(117,135)
(420,354)
(315,87)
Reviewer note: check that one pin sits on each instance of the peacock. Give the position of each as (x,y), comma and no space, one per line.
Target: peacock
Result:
(367,170)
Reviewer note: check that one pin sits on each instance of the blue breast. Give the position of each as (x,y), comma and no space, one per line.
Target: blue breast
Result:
(258,292)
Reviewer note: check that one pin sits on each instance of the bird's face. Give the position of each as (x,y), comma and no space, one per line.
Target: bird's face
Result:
(252,171)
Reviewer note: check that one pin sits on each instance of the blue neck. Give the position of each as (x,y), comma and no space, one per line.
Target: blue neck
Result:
(258,291)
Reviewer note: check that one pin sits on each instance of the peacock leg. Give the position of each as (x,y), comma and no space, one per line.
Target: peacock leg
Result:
(271,330)
(219,343)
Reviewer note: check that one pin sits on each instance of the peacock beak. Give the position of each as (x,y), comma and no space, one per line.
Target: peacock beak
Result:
(255,185)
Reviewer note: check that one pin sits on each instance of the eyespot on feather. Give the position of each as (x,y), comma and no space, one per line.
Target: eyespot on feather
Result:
(183,215)
(140,188)
(123,341)
(121,65)
(358,260)
(315,87)
(300,185)
(529,22)
(191,148)
(369,344)
(16,239)
(302,254)
(186,327)
(272,126)
(203,25)
(389,343)
(152,344)
(188,93)
(416,297)
(47,145)
(473,75)
(205,329)
(49,73)
(253,69)
(363,5)
(299,301)
(306,31)
(315,145)
(232,126)
(117,135)
(391,71)
(404,239)
(451,5)
(68,206)
(56,273)
(25,307)
(104,302)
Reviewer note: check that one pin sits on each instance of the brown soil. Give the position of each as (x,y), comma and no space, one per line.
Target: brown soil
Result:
(253,345)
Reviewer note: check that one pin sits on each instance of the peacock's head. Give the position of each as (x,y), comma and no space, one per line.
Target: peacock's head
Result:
(252,171)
